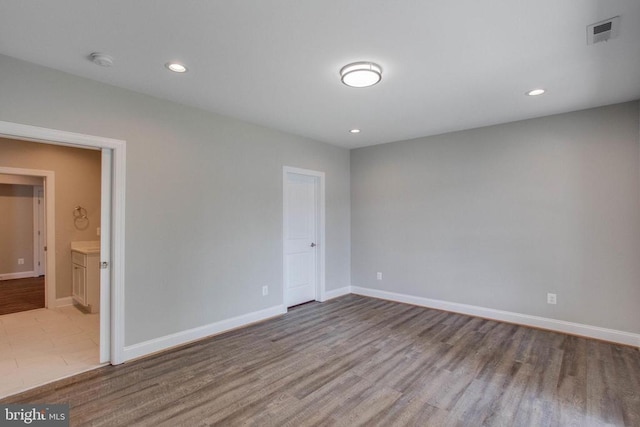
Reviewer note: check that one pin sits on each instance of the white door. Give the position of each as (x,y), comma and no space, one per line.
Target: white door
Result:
(301,214)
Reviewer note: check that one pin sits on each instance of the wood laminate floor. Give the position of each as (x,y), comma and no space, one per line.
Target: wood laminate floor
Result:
(361,361)
(18,295)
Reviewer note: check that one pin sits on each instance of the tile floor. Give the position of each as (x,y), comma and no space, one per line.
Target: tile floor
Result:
(39,346)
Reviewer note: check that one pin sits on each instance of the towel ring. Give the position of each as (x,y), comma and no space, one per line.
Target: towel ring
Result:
(79,212)
(80,218)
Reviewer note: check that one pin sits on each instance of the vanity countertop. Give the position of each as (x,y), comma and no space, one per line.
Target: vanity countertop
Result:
(87,251)
(87,247)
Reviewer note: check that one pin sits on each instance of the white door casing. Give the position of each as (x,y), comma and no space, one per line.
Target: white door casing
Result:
(40,234)
(303,236)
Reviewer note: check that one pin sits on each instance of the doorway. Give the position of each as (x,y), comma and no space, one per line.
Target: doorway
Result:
(45,178)
(303,236)
(111,222)
(22,286)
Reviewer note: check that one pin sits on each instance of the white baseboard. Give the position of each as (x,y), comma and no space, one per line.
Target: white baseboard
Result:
(180,338)
(64,302)
(20,275)
(335,293)
(596,332)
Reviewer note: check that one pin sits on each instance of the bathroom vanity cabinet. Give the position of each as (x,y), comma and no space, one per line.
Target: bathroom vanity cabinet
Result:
(86,278)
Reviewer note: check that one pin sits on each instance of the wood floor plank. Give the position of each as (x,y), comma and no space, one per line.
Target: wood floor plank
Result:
(18,295)
(318,407)
(362,361)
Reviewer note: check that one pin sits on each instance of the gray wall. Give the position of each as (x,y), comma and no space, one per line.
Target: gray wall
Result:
(499,216)
(203,197)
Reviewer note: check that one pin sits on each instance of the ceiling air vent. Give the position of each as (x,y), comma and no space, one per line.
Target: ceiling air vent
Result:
(603,30)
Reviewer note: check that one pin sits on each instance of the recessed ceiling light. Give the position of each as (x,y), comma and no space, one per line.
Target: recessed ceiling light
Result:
(361,74)
(101,59)
(176,67)
(355,131)
(535,92)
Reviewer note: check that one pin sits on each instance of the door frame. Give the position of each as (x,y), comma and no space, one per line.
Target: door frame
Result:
(319,178)
(39,213)
(48,182)
(111,319)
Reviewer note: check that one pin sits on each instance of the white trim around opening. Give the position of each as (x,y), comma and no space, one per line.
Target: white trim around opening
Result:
(114,316)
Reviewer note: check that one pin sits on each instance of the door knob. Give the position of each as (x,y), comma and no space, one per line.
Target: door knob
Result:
(313,245)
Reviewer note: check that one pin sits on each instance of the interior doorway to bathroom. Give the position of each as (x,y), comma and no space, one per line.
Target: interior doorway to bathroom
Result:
(47,344)
(110,221)
(53,190)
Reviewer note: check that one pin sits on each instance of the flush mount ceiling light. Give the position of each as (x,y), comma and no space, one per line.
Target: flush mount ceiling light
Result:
(354,131)
(101,59)
(535,92)
(361,74)
(176,67)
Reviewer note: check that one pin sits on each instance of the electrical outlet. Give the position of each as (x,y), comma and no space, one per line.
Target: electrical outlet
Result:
(20,261)
(265,291)
(551,299)
(379,275)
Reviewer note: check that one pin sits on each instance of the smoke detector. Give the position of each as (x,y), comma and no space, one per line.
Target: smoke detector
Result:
(101,59)
(603,31)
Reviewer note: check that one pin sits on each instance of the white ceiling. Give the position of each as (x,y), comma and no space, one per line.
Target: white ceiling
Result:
(448,65)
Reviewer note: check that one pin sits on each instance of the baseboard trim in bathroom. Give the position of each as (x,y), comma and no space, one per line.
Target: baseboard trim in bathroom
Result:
(64,302)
